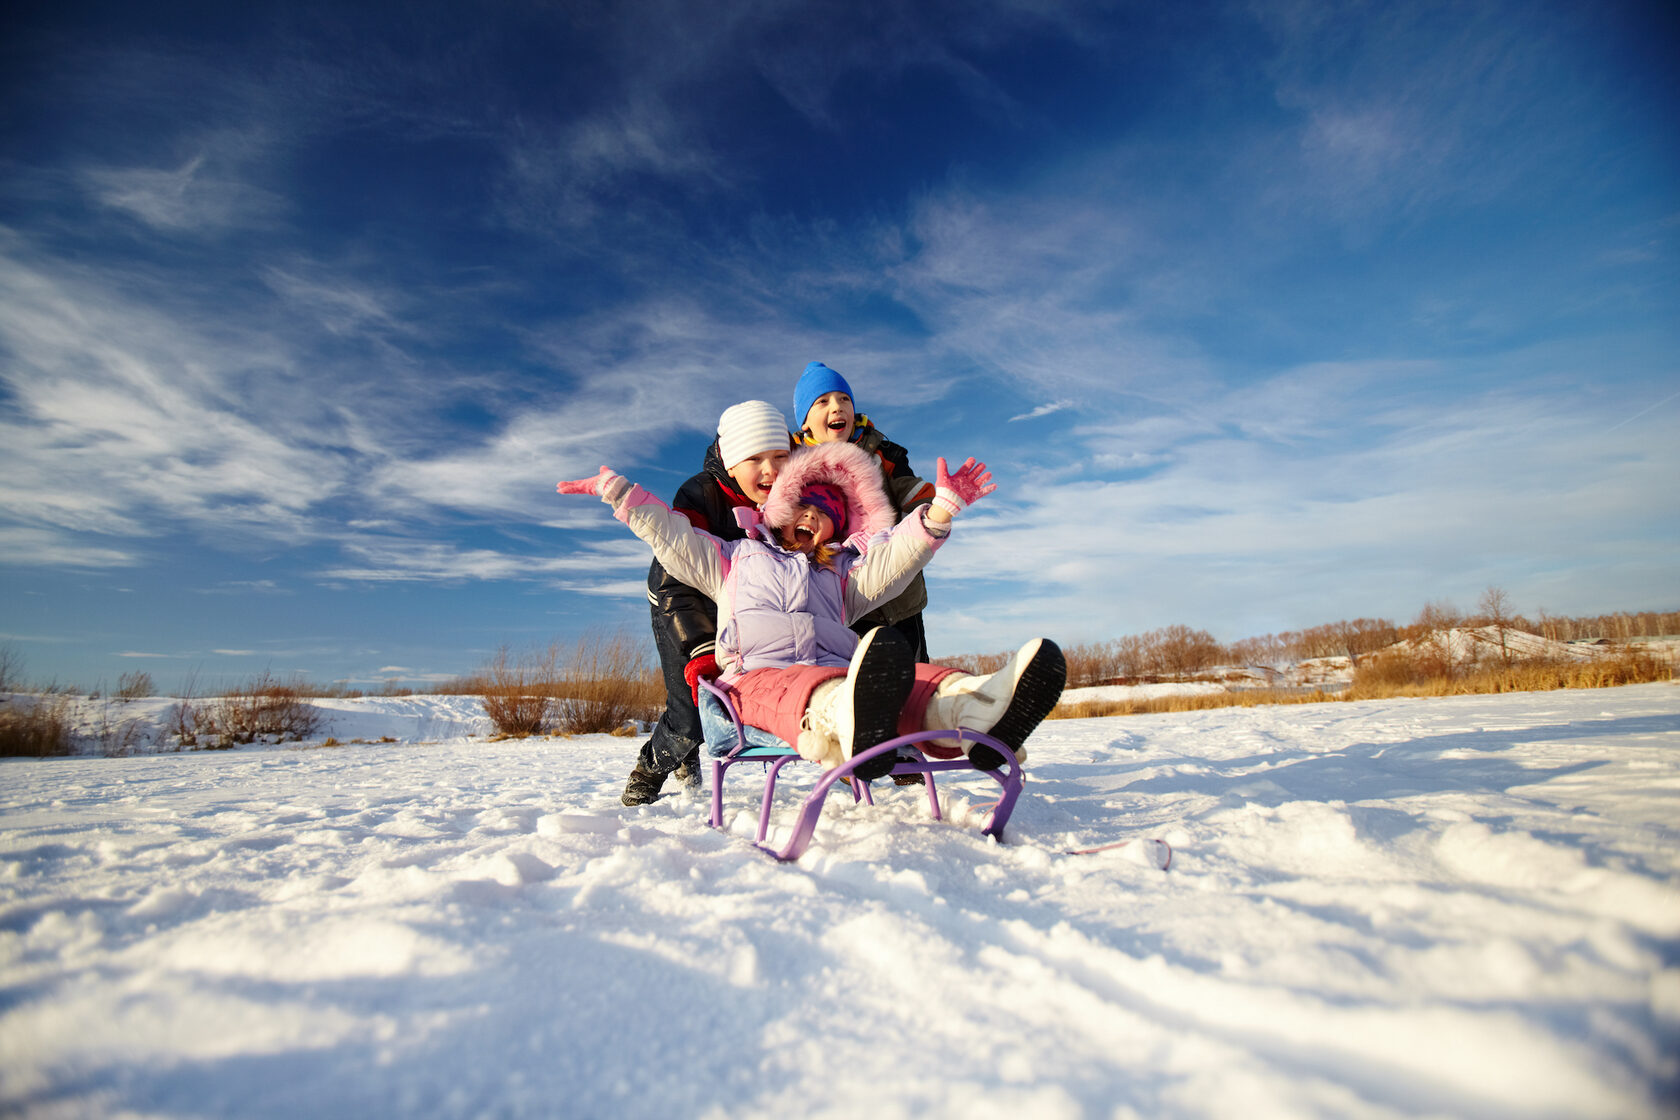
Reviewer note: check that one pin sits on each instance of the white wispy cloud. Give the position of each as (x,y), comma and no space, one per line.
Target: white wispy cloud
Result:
(123,414)
(25,547)
(188,198)
(1043,410)
(1252,532)
(427,561)
(1407,106)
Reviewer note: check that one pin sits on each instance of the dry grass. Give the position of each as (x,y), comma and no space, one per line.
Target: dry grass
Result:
(135,686)
(35,726)
(607,687)
(602,686)
(264,708)
(517,691)
(1190,702)
(1401,673)
(1420,672)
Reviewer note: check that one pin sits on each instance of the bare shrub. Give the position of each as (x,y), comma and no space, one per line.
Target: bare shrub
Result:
(1364,636)
(35,726)
(1090,664)
(116,736)
(607,686)
(1180,651)
(1389,671)
(11,668)
(517,691)
(135,686)
(1430,649)
(186,722)
(1131,657)
(266,708)
(1495,606)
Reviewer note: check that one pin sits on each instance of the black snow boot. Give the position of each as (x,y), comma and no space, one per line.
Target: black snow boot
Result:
(882,673)
(643,786)
(689,773)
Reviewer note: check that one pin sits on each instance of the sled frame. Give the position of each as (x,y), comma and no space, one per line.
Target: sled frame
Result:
(1009,777)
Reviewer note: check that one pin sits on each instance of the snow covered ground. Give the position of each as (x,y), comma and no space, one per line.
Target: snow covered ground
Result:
(1448,907)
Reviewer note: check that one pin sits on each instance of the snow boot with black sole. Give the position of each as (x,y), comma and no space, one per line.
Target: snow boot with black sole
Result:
(880,681)
(1038,687)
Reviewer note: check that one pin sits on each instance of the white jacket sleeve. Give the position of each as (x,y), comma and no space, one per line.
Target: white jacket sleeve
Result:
(691,554)
(888,564)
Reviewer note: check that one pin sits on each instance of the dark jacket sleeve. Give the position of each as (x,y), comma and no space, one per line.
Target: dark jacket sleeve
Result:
(690,617)
(905,489)
(687,614)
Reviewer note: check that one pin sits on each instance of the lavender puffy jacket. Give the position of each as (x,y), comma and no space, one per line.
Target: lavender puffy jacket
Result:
(775,608)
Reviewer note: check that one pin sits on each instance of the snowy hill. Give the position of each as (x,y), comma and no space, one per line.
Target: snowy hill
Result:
(1456,907)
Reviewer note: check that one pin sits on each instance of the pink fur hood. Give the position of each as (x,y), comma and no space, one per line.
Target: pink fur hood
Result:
(853,470)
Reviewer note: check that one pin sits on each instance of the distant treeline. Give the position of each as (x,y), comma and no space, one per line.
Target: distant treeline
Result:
(1177,652)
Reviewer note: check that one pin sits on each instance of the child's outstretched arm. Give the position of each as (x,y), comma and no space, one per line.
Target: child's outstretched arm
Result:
(954,493)
(893,559)
(692,555)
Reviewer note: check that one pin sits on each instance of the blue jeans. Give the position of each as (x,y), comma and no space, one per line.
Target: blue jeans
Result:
(720,729)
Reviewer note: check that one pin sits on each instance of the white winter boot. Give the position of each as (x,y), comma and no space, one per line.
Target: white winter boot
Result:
(847,716)
(819,731)
(1006,704)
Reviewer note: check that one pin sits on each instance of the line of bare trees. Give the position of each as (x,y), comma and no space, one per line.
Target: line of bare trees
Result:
(1177,652)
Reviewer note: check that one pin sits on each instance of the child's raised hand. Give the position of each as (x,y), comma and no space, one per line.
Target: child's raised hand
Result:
(955,492)
(601,484)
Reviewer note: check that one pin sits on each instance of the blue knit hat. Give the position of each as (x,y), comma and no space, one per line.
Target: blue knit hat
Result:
(817,381)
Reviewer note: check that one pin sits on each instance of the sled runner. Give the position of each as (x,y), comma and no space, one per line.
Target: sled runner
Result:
(775,754)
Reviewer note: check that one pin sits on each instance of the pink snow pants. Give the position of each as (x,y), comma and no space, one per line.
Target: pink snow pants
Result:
(775,699)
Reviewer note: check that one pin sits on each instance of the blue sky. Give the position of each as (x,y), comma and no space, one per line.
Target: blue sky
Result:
(1264,314)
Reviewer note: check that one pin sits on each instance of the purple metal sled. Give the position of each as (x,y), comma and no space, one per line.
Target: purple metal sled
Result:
(1008,776)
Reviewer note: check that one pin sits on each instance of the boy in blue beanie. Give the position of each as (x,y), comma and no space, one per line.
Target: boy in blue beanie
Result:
(824,410)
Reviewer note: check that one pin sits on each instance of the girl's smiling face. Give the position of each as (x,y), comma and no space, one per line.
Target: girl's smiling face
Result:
(757,473)
(830,418)
(810,530)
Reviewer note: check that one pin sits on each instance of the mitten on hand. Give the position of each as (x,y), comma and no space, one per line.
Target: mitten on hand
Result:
(954,493)
(704,665)
(609,485)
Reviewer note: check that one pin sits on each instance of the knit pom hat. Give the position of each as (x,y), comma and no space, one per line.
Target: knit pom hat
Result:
(817,381)
(750,428)
(849,469)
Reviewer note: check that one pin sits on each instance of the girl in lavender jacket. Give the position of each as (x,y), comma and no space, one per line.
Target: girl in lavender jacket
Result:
(823,553)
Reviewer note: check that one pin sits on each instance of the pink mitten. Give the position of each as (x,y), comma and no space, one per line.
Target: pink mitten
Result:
(587,485)
(955,492)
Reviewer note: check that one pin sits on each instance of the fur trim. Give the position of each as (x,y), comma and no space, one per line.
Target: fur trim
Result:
(855,471)
(814,746)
